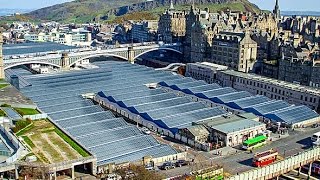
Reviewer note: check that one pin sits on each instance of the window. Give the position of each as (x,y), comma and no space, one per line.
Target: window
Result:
(271,96)
(310,99)
(301,97)
(305,98)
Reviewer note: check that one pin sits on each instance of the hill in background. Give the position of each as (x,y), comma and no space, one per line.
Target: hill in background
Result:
(81,11)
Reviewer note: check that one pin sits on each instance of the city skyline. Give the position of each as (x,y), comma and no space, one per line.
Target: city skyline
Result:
(285,5)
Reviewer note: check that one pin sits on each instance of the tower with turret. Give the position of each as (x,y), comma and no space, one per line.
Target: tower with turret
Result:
(1,59)
(276,11)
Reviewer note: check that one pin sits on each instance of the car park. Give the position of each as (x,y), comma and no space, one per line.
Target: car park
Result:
(181,163)
(167,165)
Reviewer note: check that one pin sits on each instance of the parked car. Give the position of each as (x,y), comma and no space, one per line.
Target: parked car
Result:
(181,163)
(167,165)
(149,168)
(145,130)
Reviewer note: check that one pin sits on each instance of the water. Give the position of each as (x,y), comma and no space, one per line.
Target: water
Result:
(300,13)
(6,12)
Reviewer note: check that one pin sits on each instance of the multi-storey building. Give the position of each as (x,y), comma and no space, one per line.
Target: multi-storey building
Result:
(172,26)
(144,31)
(204,71)
(75,37)
(235,50)
(272,88)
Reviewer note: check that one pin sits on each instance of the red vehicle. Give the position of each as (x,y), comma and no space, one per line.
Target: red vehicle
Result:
(265,158)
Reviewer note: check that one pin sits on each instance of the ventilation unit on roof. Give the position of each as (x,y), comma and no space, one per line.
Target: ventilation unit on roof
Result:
(152,85)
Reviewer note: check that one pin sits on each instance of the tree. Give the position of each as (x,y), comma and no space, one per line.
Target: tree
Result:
(138,173)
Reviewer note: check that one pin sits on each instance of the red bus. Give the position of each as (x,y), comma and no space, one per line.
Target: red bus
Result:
(265,158)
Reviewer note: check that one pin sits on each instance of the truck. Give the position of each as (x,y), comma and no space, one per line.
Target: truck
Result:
(264,158)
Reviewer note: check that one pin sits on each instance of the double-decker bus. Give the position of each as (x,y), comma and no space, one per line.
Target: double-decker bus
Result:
(254,142)
(265,158)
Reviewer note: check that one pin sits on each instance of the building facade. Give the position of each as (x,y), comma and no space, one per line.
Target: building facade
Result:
(233,130)
(235,50)
(144,31)
(172,26)
(271,88)
(204,71)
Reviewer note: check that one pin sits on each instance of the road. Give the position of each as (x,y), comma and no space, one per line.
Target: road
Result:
(297,141)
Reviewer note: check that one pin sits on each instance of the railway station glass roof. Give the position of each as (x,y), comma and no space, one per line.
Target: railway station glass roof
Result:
(160,104)
(223,99)
(215,92)
(293,114)
(248,102)
(269,106)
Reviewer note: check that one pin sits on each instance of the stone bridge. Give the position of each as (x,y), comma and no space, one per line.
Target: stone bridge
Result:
(67,59)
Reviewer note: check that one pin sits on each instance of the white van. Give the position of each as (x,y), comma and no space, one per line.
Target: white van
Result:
(315,137)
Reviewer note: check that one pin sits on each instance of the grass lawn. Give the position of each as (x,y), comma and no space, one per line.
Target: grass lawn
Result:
(73,144)
(2,113)
(56,140)
(3,85)
(26,111)
(28,141)
(25,130)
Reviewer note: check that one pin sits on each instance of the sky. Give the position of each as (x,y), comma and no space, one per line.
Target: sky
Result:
(292,5)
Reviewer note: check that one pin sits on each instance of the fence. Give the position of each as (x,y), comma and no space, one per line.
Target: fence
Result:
(280,167)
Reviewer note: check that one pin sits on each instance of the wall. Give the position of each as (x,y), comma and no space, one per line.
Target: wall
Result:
(192,143)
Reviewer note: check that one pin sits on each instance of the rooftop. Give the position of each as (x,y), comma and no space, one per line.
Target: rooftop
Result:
(210,65)
(284,84)
(59,95)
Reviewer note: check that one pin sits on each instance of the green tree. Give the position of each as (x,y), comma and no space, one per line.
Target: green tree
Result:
(138,173)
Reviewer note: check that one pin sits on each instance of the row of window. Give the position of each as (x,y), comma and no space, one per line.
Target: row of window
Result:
(275,90)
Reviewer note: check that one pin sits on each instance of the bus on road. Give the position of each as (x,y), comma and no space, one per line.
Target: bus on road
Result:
(254,142)
(265,158)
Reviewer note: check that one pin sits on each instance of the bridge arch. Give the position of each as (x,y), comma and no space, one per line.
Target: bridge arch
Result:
(156,49)
(98,55)
(31,62)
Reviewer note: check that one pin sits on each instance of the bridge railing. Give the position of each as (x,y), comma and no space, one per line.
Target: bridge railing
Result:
(280,167)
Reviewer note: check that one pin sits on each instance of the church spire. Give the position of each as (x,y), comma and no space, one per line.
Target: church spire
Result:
(276,11)
(171,5)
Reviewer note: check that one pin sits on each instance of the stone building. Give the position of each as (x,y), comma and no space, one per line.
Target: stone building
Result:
(172,26)
(144,31)
(271,88)
(235,50)
(204,71)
